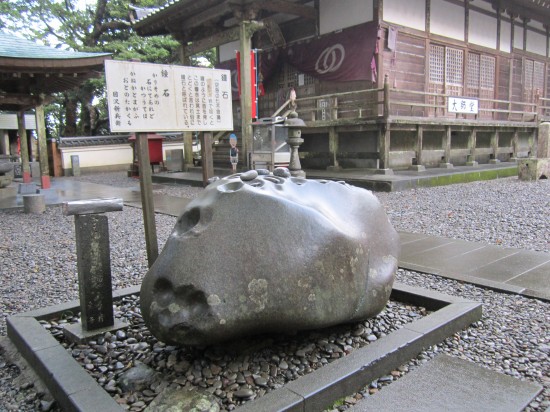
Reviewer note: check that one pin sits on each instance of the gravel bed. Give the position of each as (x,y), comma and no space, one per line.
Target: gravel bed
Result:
(234,373)
(38,269)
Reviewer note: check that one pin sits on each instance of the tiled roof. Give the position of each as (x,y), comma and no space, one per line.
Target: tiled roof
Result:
(16,47)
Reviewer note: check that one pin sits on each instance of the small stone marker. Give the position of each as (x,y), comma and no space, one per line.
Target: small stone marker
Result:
(27,189)
(75,165)
(94,265)
(34,204)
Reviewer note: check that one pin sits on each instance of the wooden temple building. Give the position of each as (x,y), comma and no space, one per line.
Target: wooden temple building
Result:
(29,75)
(383,84)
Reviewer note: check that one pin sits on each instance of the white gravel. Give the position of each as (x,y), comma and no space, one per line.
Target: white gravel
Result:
(38,267)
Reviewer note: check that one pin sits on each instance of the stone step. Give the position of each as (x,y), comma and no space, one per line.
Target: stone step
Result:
(451,384)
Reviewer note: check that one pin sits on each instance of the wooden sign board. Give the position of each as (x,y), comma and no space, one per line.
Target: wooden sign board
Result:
(146,97)
(462,105)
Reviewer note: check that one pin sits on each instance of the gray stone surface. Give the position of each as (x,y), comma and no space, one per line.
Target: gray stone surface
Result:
(535,279)
(467,387)
(511,266)
(75,165)
(271,254)
(35,204)
(82,207)
(94,271)
(27,188)
(427,243)
(438,256)
(172,399)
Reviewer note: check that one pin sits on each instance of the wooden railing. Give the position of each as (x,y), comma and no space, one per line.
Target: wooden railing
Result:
(544,108)
(373,104)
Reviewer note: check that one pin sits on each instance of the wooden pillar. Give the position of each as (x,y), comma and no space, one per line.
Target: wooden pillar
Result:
(446,144)
(188,149)
(206,156)
(417,165)
(515,145)
(245,34)
(333,142)
(24,147)
(384,149)
(533,143)
(148,206)
(494,146)
(471,161)
(187,136)
(42,147)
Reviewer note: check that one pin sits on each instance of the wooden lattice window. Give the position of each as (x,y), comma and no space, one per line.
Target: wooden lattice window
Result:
(454,60)
(528,74)
(538,77)
(533,79)
(288,78)
(472,70)
(446,65)
(487,73)
(437,64)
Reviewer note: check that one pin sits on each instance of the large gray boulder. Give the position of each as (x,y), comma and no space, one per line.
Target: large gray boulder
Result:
(256,254)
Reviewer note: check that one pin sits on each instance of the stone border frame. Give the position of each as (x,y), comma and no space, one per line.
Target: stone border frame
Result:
(75,390)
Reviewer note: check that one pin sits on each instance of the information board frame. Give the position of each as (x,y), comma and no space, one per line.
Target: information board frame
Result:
(148,97)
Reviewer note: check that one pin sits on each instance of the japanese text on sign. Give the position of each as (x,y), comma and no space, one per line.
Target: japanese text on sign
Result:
(462,105)
(145,97)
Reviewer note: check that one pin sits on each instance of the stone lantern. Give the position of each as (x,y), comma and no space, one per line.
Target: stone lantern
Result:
(294,125)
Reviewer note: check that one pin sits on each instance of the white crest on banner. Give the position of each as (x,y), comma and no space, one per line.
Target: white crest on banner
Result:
(330,59)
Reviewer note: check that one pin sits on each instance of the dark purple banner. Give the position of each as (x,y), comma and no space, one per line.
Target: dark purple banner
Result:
(342,56)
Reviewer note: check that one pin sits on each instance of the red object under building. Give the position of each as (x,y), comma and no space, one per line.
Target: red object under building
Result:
(155,150)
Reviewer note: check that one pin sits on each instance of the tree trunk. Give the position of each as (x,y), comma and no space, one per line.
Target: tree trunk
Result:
(70,116)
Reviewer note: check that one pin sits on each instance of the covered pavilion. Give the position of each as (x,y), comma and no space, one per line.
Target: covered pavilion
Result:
(29,74)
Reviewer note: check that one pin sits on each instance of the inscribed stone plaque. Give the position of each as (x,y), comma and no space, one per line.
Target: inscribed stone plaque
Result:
(94,271)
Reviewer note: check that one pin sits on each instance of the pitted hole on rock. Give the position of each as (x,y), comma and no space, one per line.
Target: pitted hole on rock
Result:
(231,187)
(164,292)
(189,219)
(275,179)
(256,183)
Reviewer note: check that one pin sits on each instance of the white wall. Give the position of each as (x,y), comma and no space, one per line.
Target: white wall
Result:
(411,13)
(447,19)
(482,30)
(96,156)
(518,36)
(227,51)
(536,43)
(111,155)
(336,15)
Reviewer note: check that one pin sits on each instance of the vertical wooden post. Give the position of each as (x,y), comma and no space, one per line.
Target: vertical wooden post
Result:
(515,145)
(418,166)
(333,147)
(188,149)
(386,97)
(145,184)
(446,163)
(472,146)
(24,147)
(206,155)
(533,143)
(246,90)
(42,147)
(187,136)
(384,149)
(494,145)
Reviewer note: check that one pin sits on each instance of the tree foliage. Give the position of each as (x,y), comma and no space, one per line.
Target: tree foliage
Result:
(88,26)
